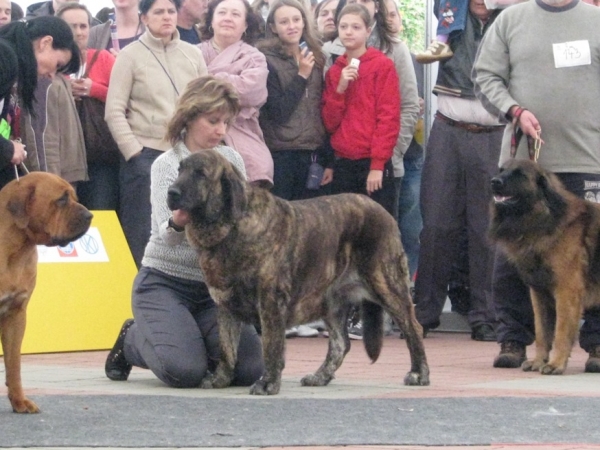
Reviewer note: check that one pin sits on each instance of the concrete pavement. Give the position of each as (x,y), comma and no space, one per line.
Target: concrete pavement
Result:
(460,369)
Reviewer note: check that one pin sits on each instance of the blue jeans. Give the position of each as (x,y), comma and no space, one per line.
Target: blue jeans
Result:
(409,211)
(452,16)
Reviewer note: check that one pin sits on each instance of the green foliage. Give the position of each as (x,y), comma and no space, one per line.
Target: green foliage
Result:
(413,20)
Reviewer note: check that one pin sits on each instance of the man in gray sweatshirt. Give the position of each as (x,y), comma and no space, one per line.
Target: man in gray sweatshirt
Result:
(538,67)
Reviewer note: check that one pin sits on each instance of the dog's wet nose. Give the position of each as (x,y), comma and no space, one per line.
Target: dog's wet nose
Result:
(173,197)
(497,183)
(88,216)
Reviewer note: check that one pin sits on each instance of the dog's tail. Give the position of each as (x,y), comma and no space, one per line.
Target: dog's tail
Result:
(372,318)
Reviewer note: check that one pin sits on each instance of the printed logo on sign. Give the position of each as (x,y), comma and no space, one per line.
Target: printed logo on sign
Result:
(87,249)
(69,251)
(89,244)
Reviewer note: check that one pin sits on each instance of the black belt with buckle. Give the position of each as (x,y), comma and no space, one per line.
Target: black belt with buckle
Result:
(470,127)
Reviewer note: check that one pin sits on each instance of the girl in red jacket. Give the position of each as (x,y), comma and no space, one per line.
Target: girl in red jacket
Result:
(361,110)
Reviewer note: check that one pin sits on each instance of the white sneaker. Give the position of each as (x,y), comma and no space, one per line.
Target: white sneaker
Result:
(317,325)
(291,332)
(306,331)
(355,332)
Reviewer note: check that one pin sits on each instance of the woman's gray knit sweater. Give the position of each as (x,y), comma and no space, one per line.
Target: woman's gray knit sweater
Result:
(168,250)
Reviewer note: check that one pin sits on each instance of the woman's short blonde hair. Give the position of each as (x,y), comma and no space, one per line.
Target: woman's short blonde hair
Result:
(204,95)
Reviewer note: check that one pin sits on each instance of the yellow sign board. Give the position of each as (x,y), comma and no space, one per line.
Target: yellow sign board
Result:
(83,291)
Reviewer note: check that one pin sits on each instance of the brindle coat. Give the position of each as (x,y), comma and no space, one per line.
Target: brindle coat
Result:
(38,209)
(277,263)
(551,236)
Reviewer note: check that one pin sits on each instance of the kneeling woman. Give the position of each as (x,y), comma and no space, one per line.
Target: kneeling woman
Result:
(174,332)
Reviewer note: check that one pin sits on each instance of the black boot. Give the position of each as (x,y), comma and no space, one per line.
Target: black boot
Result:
(592,365)
(117,368)
(512,355)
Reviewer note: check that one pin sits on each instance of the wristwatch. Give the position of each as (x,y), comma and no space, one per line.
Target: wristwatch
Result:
(173,226)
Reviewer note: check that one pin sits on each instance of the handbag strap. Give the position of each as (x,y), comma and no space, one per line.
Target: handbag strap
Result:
(92,62)
(161,65)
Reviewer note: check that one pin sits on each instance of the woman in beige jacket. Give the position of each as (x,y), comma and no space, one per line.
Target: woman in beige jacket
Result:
(146,81)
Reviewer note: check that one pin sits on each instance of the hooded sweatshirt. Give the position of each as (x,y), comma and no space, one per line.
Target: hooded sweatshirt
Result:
(364,121)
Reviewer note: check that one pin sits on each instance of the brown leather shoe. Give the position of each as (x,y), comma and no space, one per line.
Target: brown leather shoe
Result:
(512,355)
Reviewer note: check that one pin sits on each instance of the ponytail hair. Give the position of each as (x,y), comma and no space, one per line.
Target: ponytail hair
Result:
(21,35)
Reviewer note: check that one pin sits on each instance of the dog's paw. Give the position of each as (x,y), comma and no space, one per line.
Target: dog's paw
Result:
(551,369)
(315,380)
(207,381)
(533,365)
(212,381)
(416,379)
(527,366)
(262,387)
(24,406)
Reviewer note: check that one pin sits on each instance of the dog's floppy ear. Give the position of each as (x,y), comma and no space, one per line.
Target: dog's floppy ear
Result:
(234,193)
(17,206)
(555,201)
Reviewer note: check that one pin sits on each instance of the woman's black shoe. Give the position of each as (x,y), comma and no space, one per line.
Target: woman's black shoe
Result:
(117,368)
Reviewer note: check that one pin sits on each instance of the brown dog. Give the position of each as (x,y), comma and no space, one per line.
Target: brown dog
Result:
(552,238)
(276,263)
(38,209)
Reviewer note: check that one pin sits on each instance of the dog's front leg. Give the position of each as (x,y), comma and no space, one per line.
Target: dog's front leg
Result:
(568,312)
(273,341)
(229,339)
(543,313)
(13,330)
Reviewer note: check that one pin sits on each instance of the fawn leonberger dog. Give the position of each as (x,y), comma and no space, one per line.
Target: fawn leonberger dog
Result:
(277,264)
(38,209)
(551,236)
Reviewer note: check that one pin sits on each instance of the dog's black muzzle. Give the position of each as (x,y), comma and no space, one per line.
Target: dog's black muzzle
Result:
(174,198)
(498,185)
(499,191)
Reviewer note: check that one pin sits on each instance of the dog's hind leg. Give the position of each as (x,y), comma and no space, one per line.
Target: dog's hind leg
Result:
(413,333)
(229,338)
(544,318)
(339,344)
(394,295)
(13,330)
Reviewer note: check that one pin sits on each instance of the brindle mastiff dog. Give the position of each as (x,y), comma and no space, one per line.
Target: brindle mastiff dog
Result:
(276,263)
(38,209)
(551,236)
